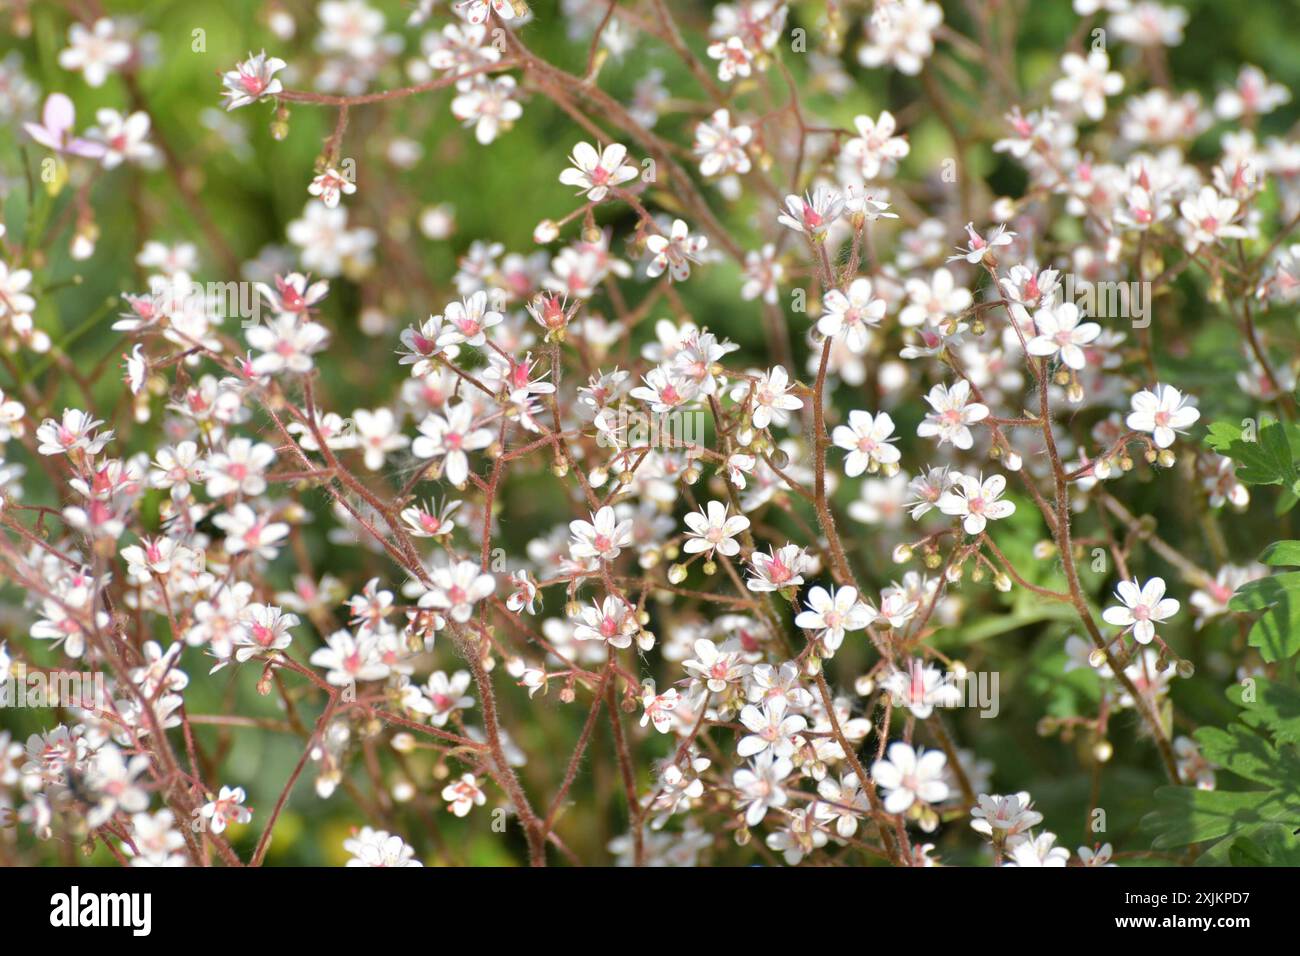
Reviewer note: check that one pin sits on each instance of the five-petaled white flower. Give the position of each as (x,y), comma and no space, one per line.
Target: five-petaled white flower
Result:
(604,536)
(812,214)
(977,501)
(611,621)
(674,252)
(867,439)
(96,51)
(910,776)
(833,612)
(1059,331)
(711,530)
(1087,82)
(771,727)
(463,795)
(252,79)
(1145,606)
(456,588)
(772,398)
(852,314)
(450,438)
(594,171)
(953,414)
(227,808)
(1162,412)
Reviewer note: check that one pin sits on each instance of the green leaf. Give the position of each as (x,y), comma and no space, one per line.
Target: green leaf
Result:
(1265,461)
(1282,554)
(1277,632)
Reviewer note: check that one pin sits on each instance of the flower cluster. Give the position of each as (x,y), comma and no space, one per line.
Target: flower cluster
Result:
(732,455)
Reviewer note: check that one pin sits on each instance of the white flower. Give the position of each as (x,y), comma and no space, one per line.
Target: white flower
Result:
(769,726)
(594,171)
(1162,413)
(379,848)
(846,803)
(112,780)
(801,835)
(813,214)
(772,398)
(1150,24)
(328,246)
(75,432)
(1012,816)
(717,668)
(330,185)
(523,594)
(900,33)
(833,612)
(489,106)
(1038,852)
(467,321)
(674,252)
(603,537)
(228,808)
(781,568)
(1209,217)
(155,840)
(262,628)
(930,303)
(734,58)
(1098,857)
(457,588)
(953,413)
(1144,606)
(123,137)
(1059,330)
(659,707)
(96,52)
(875,148)
(760,785)
(980,248)
(851,314)
(1087,82)
(910,776)
(867,441)
(721,146)
(476,12)
(350,659)
(248,532)
(977,501)
(429,522)
(463,795)
(921,688)
(451,438)
(252,79)
(239,469)
(712,530)
(377,434)
(1253,95)
(441,696)
(287,343)
(611,621)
